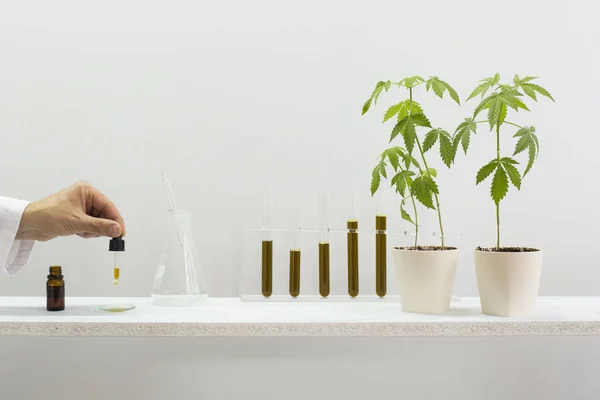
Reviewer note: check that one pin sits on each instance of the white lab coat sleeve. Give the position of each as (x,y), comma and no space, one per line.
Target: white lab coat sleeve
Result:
(13,253)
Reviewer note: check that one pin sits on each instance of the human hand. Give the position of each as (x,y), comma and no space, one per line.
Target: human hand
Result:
(77,210)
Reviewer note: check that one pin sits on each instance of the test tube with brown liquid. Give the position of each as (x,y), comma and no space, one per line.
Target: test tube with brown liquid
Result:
(380,249)
(295,251)
(324,284)
(352,225)
(267,250)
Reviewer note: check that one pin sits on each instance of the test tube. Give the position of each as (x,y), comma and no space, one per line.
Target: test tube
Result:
(295,250)
(324,285)
(380,248)
(352,225)
(267,249)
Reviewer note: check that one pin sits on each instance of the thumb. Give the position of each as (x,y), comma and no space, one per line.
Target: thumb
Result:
(100,226)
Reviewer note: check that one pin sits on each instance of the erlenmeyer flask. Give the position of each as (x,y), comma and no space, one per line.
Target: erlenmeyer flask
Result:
(179,279)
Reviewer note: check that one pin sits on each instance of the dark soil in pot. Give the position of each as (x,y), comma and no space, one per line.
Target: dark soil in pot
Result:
(426,248)
(508,249)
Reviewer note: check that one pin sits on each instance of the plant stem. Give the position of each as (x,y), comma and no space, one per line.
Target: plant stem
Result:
(416,220)
(498,203)
(412,198)
(437,201)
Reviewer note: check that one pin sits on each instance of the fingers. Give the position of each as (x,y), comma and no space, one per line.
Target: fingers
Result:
(87,235)
(89,227)
(101,206)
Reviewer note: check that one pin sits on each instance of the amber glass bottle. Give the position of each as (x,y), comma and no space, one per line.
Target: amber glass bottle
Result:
(55,290)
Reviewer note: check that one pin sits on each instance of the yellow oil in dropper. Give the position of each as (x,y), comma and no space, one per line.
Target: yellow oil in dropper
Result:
(116,272)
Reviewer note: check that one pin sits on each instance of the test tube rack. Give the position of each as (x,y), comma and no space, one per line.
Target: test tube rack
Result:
(300,264)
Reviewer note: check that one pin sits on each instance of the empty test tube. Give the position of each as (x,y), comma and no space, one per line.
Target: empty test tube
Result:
(380,249)
(295,251)
(267,250)
(324,285)
(352,225)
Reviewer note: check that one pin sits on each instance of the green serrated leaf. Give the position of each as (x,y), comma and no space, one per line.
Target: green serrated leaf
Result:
(399,182)
(520,104)
(486,170)
(446,149)
(399,128)
(522,131)
(438,88)
(496,79)
(528,79)
(431,172)
(375,180)
(499,185)
(529,92)
(410,135)
(453,94)
(508,160)
(485,103)
(382,170)
(393,157)
(532,154)
(405,215)
(415,162)
(430,139)
(393,110)
(537,142)
(420,120)
(388,85)
(422,191)
(406,159)
(481,89)
(523,143)
(513,174)
(407,108)
(410,81)
(465,140)
(463,134)
(428,84)
(366,106)
(431,183)
(538,89)
(495,112)
(377,91)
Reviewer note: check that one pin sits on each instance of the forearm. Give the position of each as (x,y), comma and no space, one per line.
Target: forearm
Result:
(13,253)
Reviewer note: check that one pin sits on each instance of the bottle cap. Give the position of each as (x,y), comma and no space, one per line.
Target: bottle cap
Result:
(116,244)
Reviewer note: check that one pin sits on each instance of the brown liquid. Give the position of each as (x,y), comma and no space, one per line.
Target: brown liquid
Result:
(352,258)
(324,269)
(294,273)
(380,256)
(267,268)
(55,297)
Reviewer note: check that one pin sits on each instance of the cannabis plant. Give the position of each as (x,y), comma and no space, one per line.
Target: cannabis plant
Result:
(412,180)
(502,98)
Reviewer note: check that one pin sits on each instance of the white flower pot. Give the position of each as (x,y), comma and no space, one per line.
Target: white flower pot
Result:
(508,282)
(425,279)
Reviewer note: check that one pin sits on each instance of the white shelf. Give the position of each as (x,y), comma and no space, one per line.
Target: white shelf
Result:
(27,316)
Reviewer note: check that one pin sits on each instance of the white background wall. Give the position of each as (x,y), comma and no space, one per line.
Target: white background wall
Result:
(233,97)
